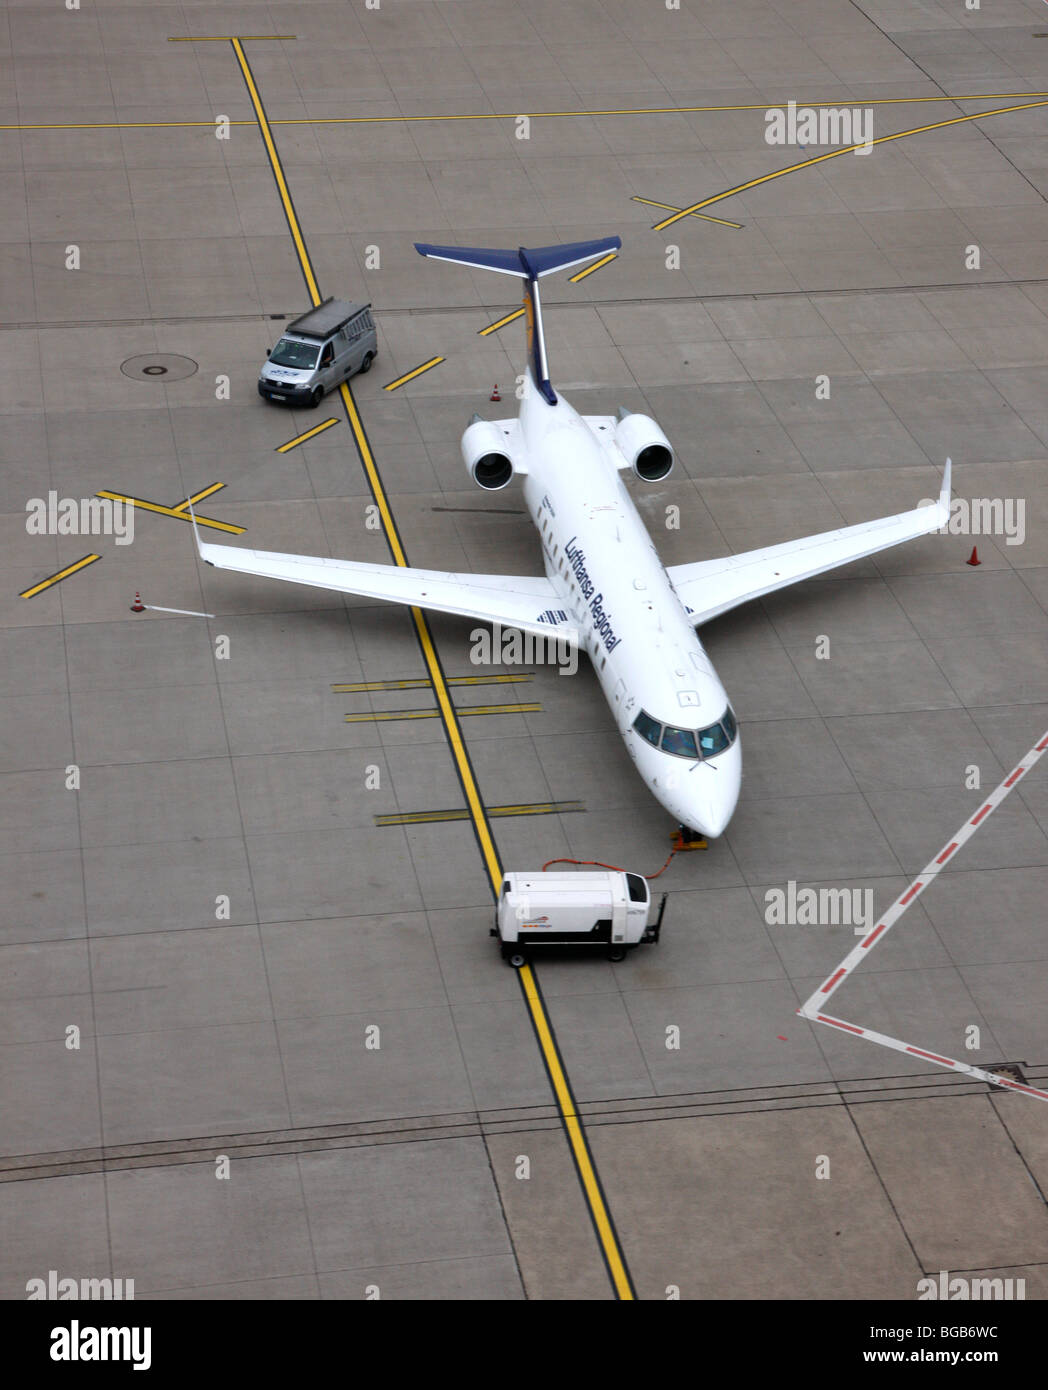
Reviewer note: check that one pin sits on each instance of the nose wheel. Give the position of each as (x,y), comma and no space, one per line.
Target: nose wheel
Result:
(686,838)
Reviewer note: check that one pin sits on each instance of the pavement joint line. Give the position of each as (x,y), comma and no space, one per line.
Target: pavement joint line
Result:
(410,376)
(53,579)
(599,1213)
(177,512)
(833,154)
(812,1008)
(457,813)
(391,716)
(486,115)
(491,1121)
(301,438)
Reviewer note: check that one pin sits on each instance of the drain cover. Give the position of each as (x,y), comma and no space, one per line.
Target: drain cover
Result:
(1012,1071)
(158,366)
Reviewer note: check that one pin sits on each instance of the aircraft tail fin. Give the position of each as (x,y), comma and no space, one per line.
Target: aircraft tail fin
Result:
(530,264)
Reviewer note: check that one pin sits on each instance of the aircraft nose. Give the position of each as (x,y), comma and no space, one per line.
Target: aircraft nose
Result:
(712,808)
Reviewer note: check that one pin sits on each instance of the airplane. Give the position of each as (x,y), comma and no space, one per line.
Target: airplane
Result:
(605,589)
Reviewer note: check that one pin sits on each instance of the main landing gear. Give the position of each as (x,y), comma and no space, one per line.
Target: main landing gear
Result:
(686,838)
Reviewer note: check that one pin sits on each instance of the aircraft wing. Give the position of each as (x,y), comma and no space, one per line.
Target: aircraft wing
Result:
(711,587)
(531,604)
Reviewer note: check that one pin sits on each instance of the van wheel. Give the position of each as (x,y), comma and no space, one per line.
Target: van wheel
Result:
(617,953)
(365,366)
(316,397)
(518,959)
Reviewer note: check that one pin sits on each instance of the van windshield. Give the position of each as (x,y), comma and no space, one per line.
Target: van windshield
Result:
(288,353)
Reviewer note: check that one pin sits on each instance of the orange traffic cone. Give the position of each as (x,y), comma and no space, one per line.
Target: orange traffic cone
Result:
(138,606)
(495,394)
(973,558)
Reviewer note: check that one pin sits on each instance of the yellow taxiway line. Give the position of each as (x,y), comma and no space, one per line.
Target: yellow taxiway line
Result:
(456,813)
(391,716)
(410,376)
(672,207)
(199,496)
(424,683)
(611,256)
(301,438)
(177,512)
(492,115)
(500,323)
(475,809)
(833,154)
(57,578)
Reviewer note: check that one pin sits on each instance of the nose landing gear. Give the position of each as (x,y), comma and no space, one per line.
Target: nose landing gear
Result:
(686,838)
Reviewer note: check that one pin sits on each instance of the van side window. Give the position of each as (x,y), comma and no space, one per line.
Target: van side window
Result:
(328,355)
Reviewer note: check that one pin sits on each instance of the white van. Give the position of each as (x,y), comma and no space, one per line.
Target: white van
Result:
(319,351)
(609,909)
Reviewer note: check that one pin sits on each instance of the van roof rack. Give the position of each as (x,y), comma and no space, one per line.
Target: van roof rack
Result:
(325,318)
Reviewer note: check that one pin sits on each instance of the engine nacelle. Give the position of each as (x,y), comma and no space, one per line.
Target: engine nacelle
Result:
(484,449)
(648,451)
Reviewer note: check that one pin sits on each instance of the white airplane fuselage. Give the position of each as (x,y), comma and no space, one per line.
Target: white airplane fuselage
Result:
(646,654)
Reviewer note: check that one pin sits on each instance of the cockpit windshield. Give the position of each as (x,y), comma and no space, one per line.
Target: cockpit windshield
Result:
(689,743)
(679,741)
(713,740)
(648,728)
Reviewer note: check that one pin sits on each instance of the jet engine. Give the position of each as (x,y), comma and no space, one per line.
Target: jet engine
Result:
(484,450)
(644,445)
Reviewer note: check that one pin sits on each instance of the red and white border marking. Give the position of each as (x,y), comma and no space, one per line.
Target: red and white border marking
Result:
(813,1008)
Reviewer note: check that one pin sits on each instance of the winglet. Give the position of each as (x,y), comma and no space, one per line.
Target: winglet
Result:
(196,534)
(944,493)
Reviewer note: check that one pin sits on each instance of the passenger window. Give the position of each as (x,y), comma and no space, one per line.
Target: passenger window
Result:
(648,728)
(328,355)
(679,741)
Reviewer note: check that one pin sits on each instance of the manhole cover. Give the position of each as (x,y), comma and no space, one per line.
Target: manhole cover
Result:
(158,366)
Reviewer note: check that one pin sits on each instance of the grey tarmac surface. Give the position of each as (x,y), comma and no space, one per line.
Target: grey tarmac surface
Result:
(215,909)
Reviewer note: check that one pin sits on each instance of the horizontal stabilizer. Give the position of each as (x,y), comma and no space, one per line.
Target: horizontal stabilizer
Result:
(528,263)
